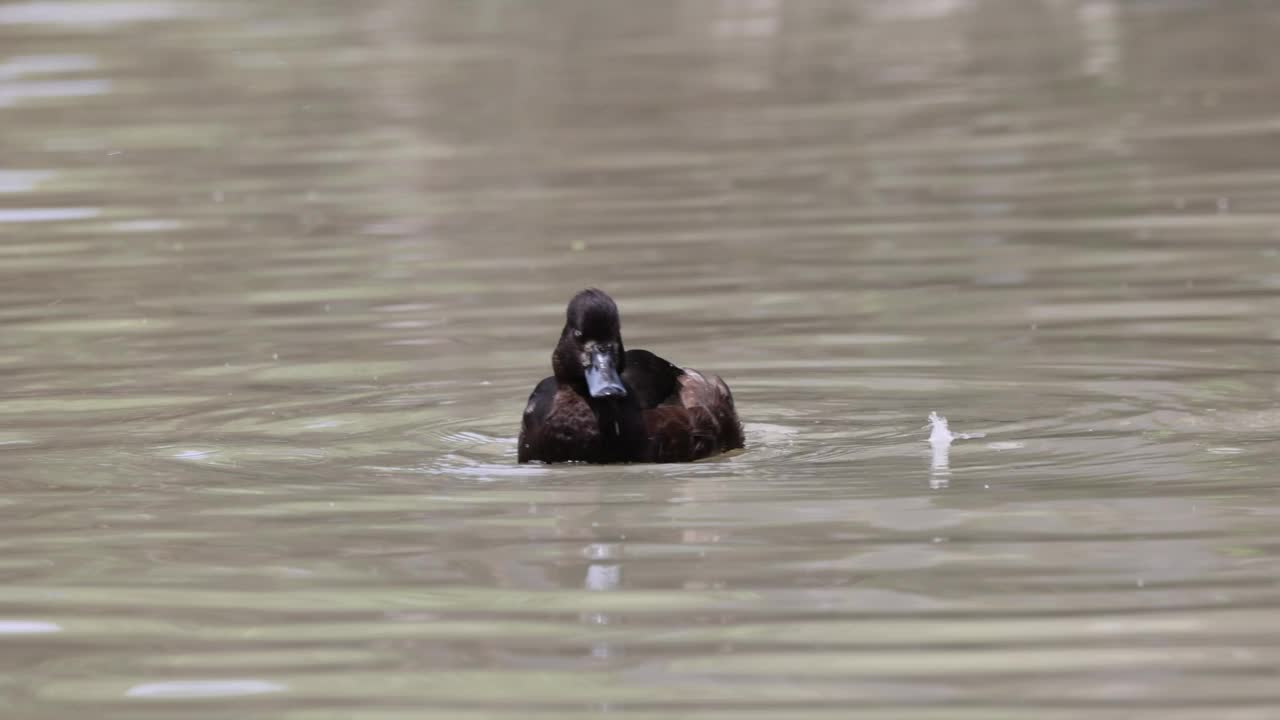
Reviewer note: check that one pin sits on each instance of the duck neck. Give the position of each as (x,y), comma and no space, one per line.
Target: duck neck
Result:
(609,415)
(620,425)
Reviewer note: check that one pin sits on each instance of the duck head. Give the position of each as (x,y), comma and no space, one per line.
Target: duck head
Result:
(590,352)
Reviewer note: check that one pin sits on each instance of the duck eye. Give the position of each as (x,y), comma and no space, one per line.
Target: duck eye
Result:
(577,334)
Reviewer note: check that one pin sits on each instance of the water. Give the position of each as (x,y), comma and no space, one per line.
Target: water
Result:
(277,279)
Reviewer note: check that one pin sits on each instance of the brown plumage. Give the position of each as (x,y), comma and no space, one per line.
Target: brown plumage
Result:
(606,404)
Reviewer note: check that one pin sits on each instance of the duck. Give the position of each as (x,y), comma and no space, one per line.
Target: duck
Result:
(606,404)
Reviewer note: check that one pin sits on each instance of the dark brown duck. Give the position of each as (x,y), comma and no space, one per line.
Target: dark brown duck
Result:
(605,404)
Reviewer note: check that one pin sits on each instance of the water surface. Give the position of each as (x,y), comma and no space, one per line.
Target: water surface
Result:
(277,278)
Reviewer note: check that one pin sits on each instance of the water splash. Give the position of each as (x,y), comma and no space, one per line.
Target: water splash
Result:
(942,435)
(940,439)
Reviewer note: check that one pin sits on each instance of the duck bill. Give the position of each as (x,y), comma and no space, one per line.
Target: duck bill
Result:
(602,377)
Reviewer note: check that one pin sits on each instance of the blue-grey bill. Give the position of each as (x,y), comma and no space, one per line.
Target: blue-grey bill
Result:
(602,377)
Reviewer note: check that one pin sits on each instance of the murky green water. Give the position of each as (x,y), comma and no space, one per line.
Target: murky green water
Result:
(276,279)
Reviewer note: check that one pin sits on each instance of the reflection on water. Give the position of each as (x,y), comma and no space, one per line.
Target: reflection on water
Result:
(940,439)
(277,281)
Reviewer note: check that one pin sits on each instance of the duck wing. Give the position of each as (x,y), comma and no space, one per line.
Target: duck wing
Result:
(709,403)
(688,415)
(653,380)
(534,420)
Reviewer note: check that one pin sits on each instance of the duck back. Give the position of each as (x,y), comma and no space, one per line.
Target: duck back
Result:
(687,415)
